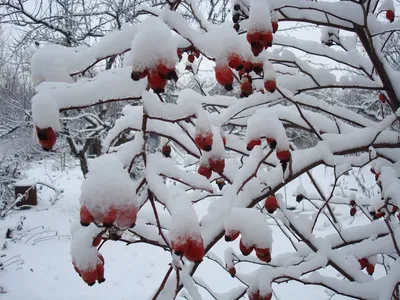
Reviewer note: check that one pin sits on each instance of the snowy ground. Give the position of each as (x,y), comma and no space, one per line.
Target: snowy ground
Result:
(43,269)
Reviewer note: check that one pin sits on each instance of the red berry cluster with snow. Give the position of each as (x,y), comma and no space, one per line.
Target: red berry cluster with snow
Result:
(87,261)
(154,58)
(186,238)
(108,195)
(236,223)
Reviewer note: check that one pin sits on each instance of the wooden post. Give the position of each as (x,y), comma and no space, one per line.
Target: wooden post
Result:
(28,191)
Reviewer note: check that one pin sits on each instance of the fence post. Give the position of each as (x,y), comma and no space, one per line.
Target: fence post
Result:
(28,190)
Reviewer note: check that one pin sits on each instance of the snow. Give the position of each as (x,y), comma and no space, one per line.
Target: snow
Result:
(264,123)
(190,286)
(301,191)
(184,221)
(166,111)
(202,124)
(107,185)
(110,85)
(228,258)
(386,5)
(55,63)
(238,219)
(329,35)
(84,255)
(127,151)
(45,111)
(53,70)
(259,17)
(147,53)
(25,183)
(269,72)
(131,118)
(165,167)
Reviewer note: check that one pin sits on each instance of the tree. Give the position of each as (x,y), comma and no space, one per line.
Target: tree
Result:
(275,87)
(72,23)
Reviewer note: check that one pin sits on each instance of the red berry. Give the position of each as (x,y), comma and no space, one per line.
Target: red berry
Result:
(96,241)
(263,251)
(353,211)
(235,61)
(205,171)
(266,297)
(163,70)
(231,235)
(232,271)
(100,272)
(283,155)
(109,217)
(254,295)
(252,144)
(196,53)
(191,58)
(271,204)
(241,73)
(248,66)
(352,203)
(166,150)
(195,251)
(224,76)
(390,15)
(204,140)
(89,276)
(270,85)
(246,250)
(126,217)
(217,164)
(156,82)
(275,26)
(256,48)
(258,68)
(271,143)
(370,269)
(363,263)
(47,137)
(382,98)
(85,216)
(247,77)
(137,75)
(246,89)
(180,245)
(266,39)
(263,254)
(253,37)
